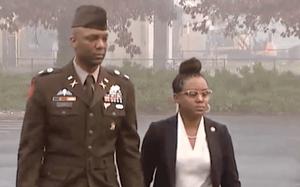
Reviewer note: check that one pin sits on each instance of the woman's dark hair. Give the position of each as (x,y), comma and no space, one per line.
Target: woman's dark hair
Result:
(187,69)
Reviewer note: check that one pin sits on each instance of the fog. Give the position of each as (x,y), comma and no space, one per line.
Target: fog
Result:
(254,75)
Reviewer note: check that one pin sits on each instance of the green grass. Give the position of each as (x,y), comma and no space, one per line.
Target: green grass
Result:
(13,91)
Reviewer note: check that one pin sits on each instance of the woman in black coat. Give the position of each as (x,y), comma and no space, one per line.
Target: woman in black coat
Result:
(189,149)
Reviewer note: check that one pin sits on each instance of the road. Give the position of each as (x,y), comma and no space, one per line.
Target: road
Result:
(267,148)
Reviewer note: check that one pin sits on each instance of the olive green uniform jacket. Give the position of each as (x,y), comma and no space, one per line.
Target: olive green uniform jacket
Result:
(68,142)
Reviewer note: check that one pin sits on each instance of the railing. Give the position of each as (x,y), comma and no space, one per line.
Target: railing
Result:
(34,65)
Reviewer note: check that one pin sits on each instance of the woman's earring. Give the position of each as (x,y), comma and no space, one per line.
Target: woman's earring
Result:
(207,108)
(177,107)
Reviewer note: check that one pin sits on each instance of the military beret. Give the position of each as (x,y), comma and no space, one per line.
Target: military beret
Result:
(90,16)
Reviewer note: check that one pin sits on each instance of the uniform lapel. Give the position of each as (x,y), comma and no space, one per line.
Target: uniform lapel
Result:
(213,146)
(73,83)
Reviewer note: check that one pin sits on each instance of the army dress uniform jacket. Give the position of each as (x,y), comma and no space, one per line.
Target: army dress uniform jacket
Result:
(68,142)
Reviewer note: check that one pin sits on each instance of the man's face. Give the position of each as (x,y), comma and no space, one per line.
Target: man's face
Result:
(90,45)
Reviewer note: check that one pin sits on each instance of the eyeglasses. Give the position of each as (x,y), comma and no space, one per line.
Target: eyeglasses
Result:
(196,93)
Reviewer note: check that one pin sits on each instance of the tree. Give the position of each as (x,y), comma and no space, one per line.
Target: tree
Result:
(57,14)
(237,16)
(246,16)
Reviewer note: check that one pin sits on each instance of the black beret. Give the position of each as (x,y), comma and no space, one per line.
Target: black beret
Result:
(90,16)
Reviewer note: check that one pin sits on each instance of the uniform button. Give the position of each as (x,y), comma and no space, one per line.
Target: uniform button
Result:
(63,112)
(114,113)
(90,147)
(91,131)
(91,114)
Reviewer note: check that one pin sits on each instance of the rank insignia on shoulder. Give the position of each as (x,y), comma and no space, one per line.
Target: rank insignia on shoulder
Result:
(47,71)
(127,77)
(117,72)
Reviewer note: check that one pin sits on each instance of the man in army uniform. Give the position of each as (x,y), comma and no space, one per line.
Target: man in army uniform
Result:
(80,120)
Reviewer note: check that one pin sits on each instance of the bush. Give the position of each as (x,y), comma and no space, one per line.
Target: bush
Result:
(253,90)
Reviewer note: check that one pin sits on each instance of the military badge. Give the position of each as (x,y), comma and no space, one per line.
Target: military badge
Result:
(102,84)
(112,126)
(64,92)
(73,83)
(114,96)
(64,95)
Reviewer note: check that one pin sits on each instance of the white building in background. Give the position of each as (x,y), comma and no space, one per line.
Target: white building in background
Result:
(182,43)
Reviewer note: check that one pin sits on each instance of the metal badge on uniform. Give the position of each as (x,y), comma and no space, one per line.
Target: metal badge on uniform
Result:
(212,129)
(73,83)
(112,126)
(64,98)
(114,96)
(101,83)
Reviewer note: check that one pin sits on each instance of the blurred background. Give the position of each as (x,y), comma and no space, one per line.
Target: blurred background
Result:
(250,51)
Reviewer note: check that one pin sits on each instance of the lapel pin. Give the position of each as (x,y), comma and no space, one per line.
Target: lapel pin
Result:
(74,83)
(70,77)
(212,129)
(105,80)
(102,84)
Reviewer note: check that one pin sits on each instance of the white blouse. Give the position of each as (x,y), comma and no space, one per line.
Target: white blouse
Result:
(192,165)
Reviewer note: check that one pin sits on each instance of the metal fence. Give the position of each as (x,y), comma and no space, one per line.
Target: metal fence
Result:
(212,64)
(34,65)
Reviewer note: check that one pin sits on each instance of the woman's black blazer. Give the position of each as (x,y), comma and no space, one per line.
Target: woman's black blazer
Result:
(159,154)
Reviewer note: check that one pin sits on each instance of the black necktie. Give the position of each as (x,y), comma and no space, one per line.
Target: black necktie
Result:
(89,83)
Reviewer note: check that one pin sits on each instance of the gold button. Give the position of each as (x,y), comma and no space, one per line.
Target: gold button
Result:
(91,131)
(90,147)
(91,114)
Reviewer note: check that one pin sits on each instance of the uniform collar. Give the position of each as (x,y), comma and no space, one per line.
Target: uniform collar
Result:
(82,74)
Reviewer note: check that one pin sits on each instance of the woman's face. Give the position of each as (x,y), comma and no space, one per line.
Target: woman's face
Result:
(194,97)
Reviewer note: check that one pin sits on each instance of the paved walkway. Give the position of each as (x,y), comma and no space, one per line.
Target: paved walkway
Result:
(267,148)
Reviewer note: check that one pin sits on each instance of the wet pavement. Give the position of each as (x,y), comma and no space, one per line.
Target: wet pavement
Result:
(267,148)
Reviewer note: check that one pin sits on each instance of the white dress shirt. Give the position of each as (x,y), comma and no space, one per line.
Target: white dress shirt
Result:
(192,165)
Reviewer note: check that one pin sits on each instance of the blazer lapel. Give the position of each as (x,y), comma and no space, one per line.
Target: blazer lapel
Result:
(73,83)
(213,146)
(171,148)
